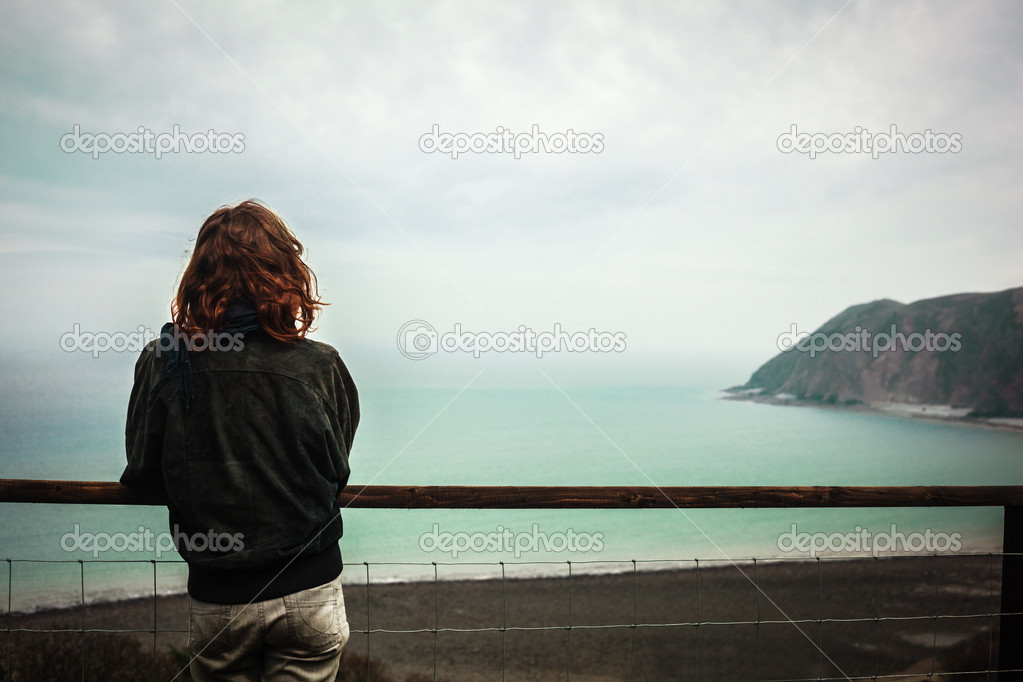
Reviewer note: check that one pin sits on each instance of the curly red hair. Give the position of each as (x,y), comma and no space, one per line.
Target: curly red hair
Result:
(246,252)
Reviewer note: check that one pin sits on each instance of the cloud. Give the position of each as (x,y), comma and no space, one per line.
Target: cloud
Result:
(690,229)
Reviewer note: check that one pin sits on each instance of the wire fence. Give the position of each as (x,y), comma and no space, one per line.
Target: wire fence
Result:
(956,615)
(894,617)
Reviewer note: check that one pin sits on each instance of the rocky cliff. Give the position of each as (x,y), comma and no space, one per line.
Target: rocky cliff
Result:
(964,350)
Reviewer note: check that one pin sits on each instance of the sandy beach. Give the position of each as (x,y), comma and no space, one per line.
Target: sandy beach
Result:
(936,413)
(867,617)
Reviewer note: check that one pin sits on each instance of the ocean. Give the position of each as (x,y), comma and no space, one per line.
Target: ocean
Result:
(64,419)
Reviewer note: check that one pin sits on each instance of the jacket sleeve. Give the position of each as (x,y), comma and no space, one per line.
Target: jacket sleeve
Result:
(348,418)
(143,434)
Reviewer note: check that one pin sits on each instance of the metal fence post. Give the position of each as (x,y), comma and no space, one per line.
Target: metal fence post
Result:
(1010,638)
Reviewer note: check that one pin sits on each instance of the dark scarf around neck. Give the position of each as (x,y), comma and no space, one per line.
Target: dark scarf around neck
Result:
(241,317)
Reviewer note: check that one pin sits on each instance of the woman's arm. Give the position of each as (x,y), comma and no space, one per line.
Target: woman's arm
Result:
(143,433)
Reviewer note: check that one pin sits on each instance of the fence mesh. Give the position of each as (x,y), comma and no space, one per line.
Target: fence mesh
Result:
(917,617)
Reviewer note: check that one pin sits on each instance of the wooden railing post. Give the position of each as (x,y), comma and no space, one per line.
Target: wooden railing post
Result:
(1010,638)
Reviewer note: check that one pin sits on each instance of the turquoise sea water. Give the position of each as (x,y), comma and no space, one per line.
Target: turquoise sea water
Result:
(64,424)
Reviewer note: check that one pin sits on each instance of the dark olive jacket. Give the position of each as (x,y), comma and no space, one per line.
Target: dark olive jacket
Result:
(255,463)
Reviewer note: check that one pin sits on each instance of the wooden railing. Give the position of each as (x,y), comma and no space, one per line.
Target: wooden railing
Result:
(643,497)
(566,497)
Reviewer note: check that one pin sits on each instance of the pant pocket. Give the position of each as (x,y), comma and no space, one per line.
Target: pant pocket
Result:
(342,616)
(209,632)
(315,616)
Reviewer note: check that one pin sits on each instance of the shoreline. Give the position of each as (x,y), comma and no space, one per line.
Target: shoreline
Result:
(939,414)
(579,570)
(685,617)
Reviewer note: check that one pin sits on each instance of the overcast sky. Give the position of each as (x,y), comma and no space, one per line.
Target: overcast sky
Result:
(689,231)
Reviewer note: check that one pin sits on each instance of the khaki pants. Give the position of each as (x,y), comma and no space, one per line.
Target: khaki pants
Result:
(297,637)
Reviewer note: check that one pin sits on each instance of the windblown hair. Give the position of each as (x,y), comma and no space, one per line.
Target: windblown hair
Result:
(246,252)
